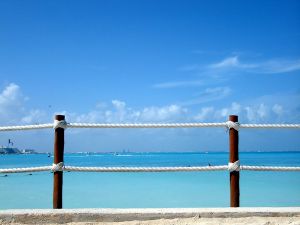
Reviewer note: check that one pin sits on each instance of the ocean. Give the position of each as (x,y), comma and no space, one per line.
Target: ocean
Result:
(150,190)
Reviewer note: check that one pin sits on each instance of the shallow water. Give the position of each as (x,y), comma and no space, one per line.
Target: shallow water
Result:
(171,189)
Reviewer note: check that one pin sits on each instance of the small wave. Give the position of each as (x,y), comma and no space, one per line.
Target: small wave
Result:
(76,156)
(125,155)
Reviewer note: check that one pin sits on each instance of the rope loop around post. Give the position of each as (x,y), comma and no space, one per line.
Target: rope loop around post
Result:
(234,125)
(58,167)
(60,124)
(234,166)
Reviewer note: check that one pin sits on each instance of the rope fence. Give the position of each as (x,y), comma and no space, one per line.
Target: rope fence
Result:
(149,169)
(65,125)
(233,166)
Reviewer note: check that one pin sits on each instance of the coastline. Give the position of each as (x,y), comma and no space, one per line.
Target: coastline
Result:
(151,216)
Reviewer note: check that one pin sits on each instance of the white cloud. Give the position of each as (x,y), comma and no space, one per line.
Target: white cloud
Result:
(250,113)
(264,112)
(13,107)
(228,62)
(34,116)
(179,84)
(165,113)
(263,109)
(204,114)
(231,63)
(11,98)
(11,104)
(233,109)
(257,113)
(219,71)
(208,95)
(119,105)
(278,109)
(219,91)
(271,66)
(119,112)
(278,66)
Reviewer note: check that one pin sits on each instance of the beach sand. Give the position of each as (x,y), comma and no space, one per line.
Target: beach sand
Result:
(209,216)
(194,221)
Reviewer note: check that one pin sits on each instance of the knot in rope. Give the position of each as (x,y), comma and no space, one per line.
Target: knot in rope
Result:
(60,124)
(58,167)
(234,125)
(234,166)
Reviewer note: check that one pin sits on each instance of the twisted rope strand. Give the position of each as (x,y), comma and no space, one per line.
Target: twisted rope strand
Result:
(26,169)
(149,169)
(228,124)
(144,169)
(27,127)
(270,168)
(269,125)
(144,125)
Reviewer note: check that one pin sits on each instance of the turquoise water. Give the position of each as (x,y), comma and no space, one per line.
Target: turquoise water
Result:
(172,189)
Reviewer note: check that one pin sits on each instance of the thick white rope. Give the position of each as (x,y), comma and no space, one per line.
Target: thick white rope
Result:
(60,124)
(144,169)
(27,127)
(26,169)
(232,168)
(63,124)
(58,167)
(234,125)
(144,125)
(270,168)
(270,126)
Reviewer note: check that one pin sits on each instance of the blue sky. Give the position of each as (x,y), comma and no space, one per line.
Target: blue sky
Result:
(150,61)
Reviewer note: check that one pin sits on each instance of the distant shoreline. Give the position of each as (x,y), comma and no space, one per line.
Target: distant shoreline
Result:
(169,152)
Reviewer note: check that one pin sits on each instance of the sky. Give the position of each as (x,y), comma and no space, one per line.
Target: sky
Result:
(150,61)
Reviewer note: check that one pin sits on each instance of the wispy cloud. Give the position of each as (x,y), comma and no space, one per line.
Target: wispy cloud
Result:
(233,65)
(179,84)
(204,113)
(278,66)
(208,95)
(272,66)
(231,62)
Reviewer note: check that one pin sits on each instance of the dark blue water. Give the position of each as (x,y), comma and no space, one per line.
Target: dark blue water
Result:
(172,189)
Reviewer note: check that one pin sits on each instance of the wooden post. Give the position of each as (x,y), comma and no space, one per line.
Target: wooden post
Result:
(233,157)
(59,136)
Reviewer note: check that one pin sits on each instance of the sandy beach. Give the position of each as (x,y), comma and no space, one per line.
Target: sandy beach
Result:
(194,221)
(209,216)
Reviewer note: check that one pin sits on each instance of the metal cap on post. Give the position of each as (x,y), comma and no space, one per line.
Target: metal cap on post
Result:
(234,157)
(59,134)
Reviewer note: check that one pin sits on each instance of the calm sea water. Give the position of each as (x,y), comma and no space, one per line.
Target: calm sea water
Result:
(172,189)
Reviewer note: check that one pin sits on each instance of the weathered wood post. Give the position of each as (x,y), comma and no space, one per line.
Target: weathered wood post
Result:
(59,136)
(233,157)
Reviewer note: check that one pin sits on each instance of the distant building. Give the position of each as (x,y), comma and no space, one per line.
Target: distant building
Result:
(7,150)
(28,151)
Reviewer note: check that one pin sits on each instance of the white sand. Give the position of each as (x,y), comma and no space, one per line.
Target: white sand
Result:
(209,216)
(194,221)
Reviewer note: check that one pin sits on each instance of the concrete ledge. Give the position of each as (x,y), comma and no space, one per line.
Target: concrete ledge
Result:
(35,216)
